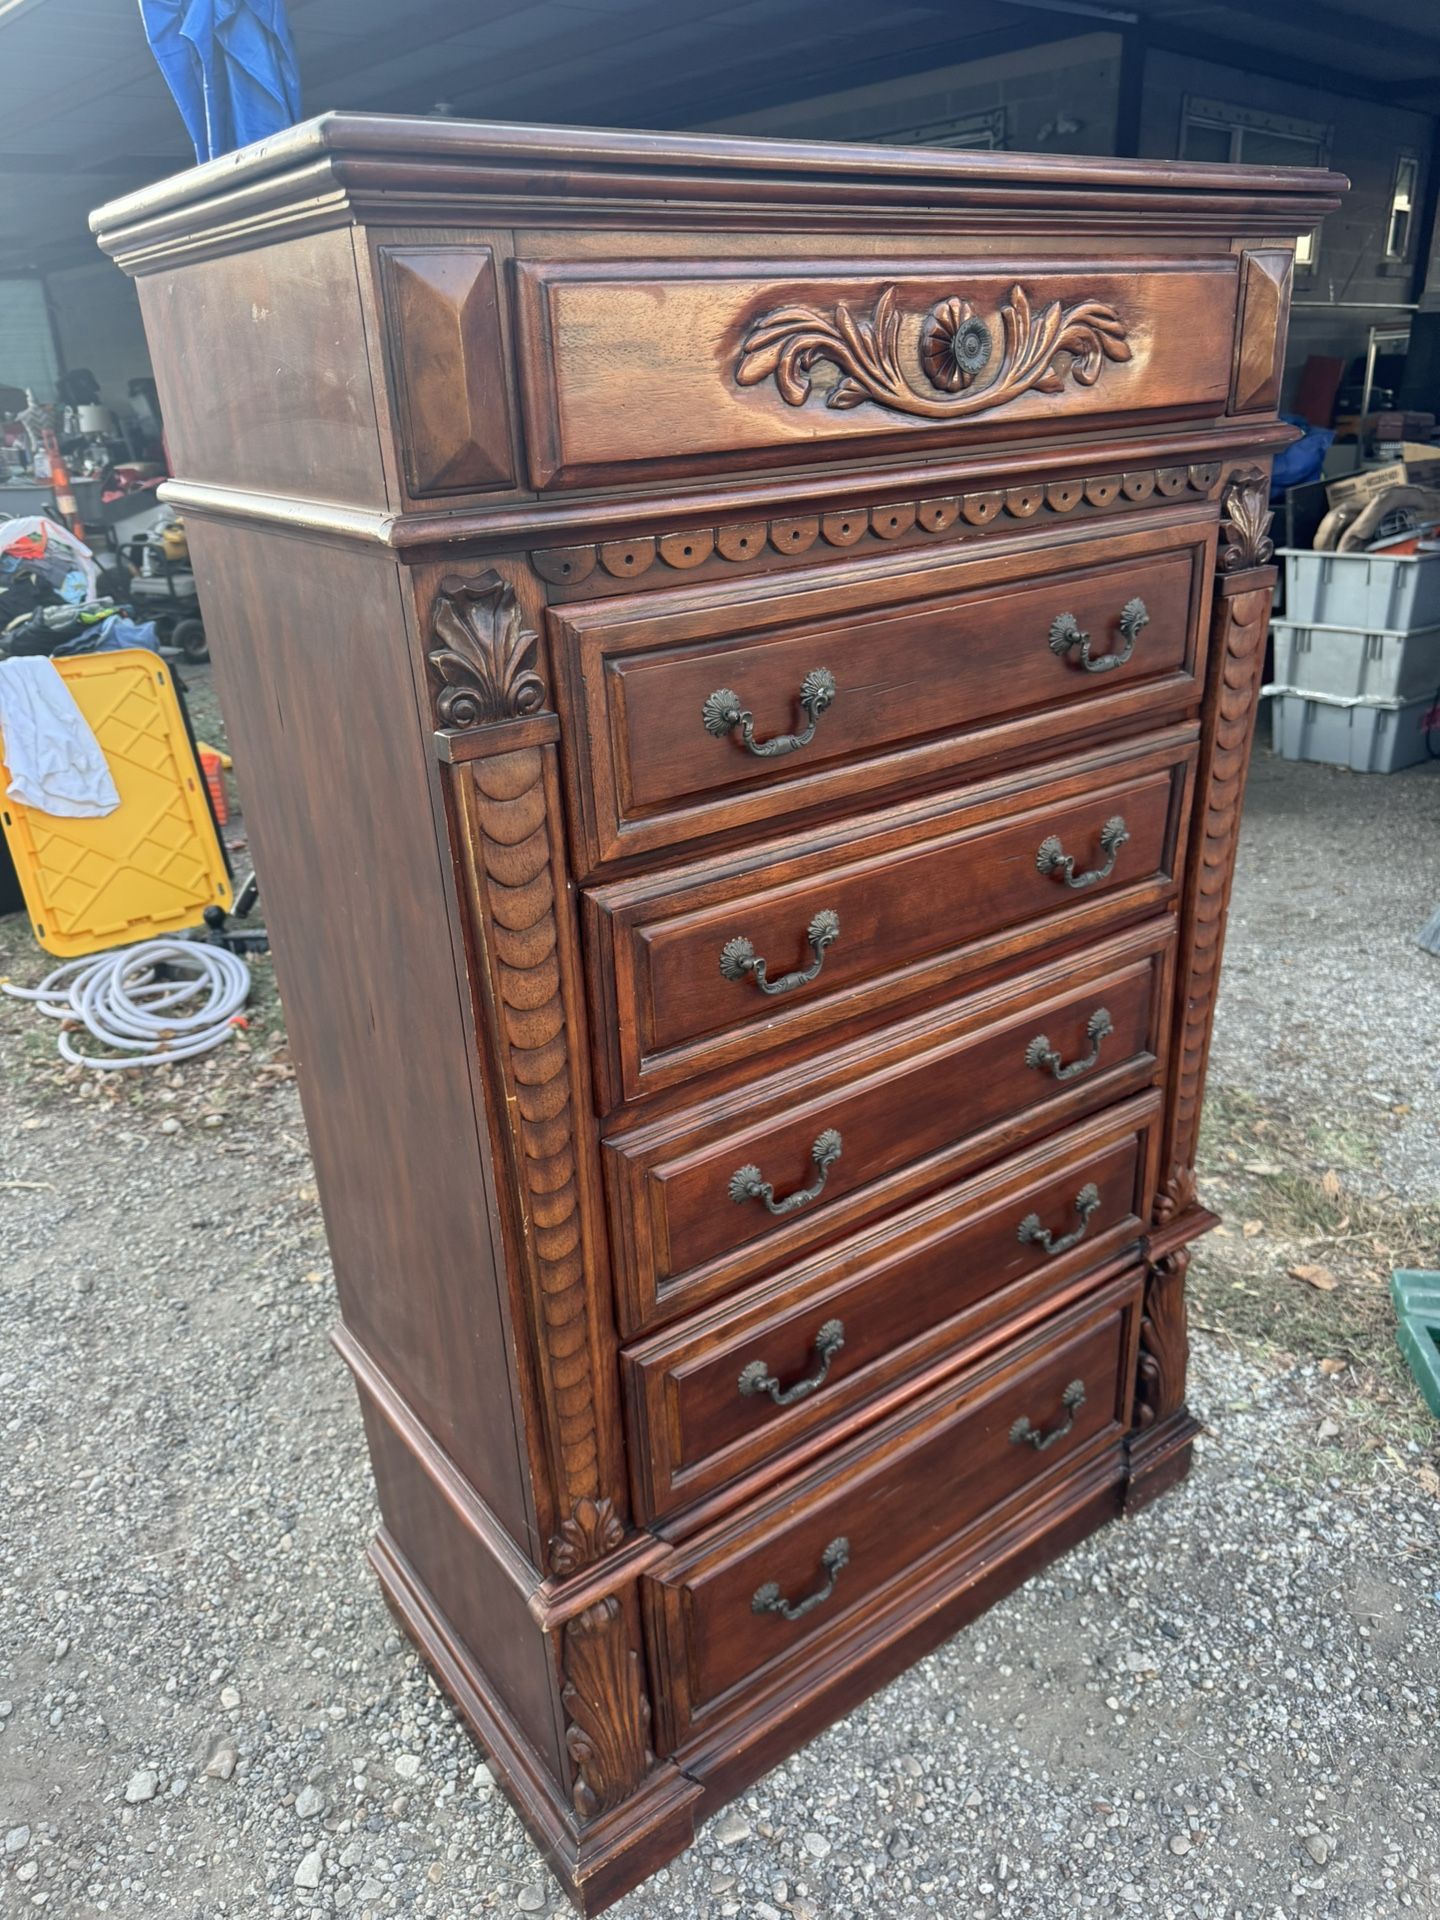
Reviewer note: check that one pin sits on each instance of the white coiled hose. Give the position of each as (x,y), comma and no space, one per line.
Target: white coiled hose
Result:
(119,1000)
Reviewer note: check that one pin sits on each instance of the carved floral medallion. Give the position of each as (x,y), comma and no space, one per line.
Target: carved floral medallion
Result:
(1040,352)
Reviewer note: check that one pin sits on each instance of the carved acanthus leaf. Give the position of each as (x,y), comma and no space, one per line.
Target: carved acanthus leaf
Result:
(1246,522)
(1041,352)
(608,1737)
(593,1530)
(483,668)
(1164,1342)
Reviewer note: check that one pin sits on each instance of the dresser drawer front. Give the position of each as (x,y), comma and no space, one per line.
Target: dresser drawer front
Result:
(709,969)
(680,366)
(911,1108)
(868,676)
(734,1609)
(742,1385)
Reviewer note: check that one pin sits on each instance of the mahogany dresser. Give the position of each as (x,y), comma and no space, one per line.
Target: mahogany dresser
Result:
(741,657)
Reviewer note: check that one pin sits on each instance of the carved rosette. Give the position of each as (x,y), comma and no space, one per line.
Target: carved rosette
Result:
(1238,632)
(1041,352)
(608,1736)
(482,671)
(1245,522)
(593,1530)
(1164,1342)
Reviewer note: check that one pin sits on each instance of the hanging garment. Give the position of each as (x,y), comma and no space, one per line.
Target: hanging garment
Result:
(54,761)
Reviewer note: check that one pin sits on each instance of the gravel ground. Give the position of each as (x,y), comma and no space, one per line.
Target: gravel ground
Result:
(1223,1708)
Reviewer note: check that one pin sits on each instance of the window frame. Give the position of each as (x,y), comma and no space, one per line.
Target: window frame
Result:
(1406,157)
(1226,117)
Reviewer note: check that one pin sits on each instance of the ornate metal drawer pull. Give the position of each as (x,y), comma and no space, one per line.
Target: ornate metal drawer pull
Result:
(1086,1201)
(739,958)
(1051,857)
(757,1377)
(1023,1434)
(1098,1029)
(769,1599)
(1065,633)
(746,1183)
(722,713)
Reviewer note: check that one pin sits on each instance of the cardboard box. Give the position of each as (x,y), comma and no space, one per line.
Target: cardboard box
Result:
(1420,467)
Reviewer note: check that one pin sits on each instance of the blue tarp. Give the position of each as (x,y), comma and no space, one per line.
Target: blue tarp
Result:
(230,65)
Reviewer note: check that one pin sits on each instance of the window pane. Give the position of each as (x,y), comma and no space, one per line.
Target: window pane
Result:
(1206,143)
(1262,149)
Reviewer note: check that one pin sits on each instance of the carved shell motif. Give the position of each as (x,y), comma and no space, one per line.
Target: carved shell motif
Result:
(483,669)
(1041,352)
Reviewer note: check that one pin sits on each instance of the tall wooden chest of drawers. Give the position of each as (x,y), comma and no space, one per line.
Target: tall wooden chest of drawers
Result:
(741,658)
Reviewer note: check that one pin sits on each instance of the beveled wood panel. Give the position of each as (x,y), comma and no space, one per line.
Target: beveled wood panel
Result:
(892,1504)
(934,1282)
(684,366)
(951,659)
(1265,283)
(913,1106)
(874,909)
(447,367)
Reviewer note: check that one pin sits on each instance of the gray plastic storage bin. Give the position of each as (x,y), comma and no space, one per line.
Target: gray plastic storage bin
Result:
(1350,663)
(1364,590)
(1366,736)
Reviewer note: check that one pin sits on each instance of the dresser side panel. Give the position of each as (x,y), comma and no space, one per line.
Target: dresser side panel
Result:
(318,692)
(264,373)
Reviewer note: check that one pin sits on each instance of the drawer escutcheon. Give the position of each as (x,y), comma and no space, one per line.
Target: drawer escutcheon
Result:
(722,713)
(757,1378)
(1086,1202)
(1040,1053)
(769,1599)
(738,958)
(747,1184)
(1023,1434)
(1052,859)
(1066,632)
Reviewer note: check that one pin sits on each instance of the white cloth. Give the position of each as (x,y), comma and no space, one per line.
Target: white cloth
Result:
(54,760)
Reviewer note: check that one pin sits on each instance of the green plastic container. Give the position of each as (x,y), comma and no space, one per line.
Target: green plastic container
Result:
(1417,1314)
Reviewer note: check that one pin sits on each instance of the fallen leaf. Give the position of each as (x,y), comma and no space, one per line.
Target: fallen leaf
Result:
(1264,1167)
(1320,1277)
(1252,1227)
(1327,1429)
(1330,1184)
(1429,1479)
(1331,1367)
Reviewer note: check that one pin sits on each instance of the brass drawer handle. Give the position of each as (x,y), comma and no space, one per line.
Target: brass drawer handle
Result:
(746,1183)
(722,713)
(757,1377)
(1023,1434)
(769,1599)
(1098,1029)
(1052,859)
(738,957)
(1086,1201)
(1066,632)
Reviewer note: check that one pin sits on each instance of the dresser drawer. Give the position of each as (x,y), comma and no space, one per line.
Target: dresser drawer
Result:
(698,966)
(726,1391)
(712,709)
(636,369)
(740,1604)
(878,1122)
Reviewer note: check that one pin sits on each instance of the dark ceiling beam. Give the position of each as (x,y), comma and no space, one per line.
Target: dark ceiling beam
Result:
(1410,42)
(1275,66)
(522,65)
(766,82)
